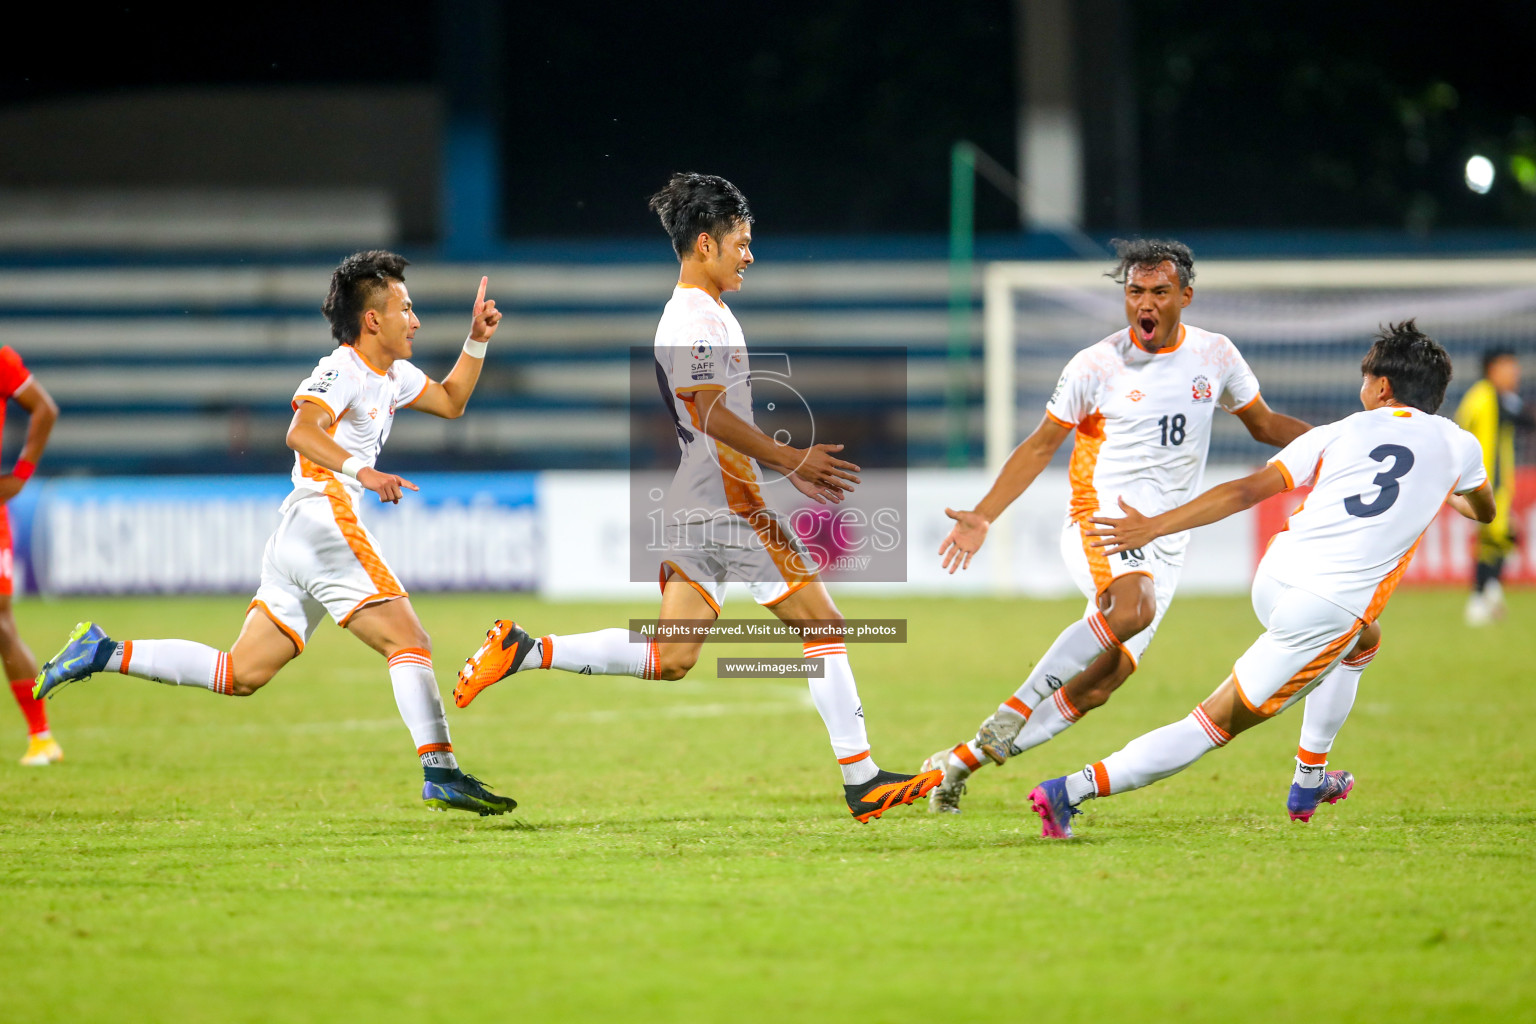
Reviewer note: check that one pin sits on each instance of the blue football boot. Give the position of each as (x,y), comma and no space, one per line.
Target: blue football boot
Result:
(85,654)
(1302,803)
(465,793)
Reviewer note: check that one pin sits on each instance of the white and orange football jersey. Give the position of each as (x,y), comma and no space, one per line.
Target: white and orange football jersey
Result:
(363,401)
(700,347)
(1143,419)
(1379,477)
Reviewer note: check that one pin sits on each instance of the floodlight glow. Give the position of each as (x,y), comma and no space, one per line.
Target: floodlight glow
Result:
(1480,174)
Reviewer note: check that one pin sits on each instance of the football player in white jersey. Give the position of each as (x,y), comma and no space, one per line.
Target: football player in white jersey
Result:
(723,530)
(1378,479)
(1140,404)
(321,558)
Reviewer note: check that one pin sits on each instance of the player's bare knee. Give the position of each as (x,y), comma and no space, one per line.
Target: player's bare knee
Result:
(244,682)
(672,664)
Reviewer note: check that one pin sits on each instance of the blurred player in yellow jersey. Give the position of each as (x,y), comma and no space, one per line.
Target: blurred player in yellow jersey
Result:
(18,385)
(322,559)
(1491,411)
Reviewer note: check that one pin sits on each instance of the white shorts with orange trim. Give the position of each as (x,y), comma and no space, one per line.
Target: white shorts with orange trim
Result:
(763,552)
(1092,572)
(1304,636)
(321,559)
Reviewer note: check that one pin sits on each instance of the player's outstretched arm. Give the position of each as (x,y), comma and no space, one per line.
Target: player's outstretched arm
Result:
(42,412)
(1267,426)
(1134,530)
(450,398)
(1025,463)
(817,465)
(1478,504)
(307,436)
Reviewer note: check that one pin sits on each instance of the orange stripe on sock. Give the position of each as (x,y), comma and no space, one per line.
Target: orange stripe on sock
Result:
(1306,756)
(433,748)
(854,758)
(1100,778)
(969,759)
(1019,706)
(1362,659)
(1218,735)
(548,644)
(1066,707)
(127,657)
(419,652)
(1101,627)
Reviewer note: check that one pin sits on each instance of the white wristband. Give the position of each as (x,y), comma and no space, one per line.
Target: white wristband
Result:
(353,466)
(475,348)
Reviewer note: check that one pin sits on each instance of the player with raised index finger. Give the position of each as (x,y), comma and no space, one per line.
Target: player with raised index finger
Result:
(322,559)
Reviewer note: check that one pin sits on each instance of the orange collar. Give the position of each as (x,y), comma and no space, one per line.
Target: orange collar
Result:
(364,360)
(1162,351)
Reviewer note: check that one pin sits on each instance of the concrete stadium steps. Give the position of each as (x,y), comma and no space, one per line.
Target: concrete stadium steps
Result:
(180,367)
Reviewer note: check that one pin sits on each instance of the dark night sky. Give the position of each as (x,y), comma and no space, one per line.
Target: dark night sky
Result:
(838,118)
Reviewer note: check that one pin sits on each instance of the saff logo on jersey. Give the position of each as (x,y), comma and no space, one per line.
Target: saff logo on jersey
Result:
(1201,389)
(702,350)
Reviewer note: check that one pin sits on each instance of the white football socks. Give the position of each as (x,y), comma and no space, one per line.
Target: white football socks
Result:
(1050,719)
(837,700)
(1075,649)
(174,662)
(607,652)
(1148,758)
(421,705)
(1324,712)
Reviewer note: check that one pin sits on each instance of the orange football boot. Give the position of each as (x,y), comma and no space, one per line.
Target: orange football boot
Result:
(887,790)
(506,647)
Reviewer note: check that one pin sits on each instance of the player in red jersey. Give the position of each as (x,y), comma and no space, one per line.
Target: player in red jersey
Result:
(18,385)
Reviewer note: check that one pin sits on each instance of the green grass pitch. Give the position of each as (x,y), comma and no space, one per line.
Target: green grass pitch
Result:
(682,854)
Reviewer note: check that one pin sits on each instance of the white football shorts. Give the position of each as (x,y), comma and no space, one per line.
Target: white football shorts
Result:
(321,559)
(1092,571)
(1304,636)
(761,551)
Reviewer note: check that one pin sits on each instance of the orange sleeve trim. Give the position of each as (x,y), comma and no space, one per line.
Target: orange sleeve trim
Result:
(1057,419)
(425,384)
(1290,481)
(1246,405)
(322,403)
(683,393)
(854,759)
(261,606)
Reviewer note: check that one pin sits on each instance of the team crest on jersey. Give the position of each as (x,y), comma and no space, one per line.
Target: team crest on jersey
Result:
(1135,396)
(1201,388)
(323,385)
(702,350)
(1060,384)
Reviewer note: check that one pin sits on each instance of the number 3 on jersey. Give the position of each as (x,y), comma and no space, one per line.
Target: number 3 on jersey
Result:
(1402,462)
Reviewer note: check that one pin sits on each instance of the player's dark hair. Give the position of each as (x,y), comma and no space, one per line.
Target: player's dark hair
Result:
(1493,355)
(355,286)
(693,204)
(1149,254)
(1413,363)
